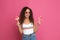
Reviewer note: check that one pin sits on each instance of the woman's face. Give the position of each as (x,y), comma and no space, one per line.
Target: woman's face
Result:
(27,13)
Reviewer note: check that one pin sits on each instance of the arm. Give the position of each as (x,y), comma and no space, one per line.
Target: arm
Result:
(19,26)
(36,26)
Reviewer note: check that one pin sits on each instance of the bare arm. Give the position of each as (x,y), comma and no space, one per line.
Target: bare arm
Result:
(19,26)
(36,25)
(35,28)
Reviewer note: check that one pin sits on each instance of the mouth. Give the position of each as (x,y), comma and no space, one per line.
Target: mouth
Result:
(26,15)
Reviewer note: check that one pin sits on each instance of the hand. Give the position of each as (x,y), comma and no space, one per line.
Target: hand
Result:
(39,19)
(17,18)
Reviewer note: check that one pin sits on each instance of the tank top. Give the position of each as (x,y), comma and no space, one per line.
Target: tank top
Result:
(29,30)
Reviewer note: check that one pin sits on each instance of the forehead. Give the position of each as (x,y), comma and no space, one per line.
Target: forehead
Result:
(27,10)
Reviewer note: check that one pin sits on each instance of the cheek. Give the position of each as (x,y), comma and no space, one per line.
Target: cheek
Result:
(28,14)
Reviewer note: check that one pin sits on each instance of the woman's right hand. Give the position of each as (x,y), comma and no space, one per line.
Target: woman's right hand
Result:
(17,18)
(18,24)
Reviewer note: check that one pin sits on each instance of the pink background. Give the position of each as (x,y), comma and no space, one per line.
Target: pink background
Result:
(48,9)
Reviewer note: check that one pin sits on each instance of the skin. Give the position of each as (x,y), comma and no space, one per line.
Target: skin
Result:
(26,21)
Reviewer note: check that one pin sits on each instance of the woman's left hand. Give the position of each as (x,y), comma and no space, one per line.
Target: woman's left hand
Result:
(39,20)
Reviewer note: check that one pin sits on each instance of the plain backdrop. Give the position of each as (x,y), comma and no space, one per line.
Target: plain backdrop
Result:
(48,9)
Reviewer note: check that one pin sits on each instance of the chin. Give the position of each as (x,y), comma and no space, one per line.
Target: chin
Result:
(27,17)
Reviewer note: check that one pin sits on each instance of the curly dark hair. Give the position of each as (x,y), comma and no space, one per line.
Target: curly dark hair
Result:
(22,15)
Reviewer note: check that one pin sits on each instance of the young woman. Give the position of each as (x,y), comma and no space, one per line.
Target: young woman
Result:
(27,25)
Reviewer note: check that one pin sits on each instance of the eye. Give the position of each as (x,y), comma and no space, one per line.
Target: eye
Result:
(27,12)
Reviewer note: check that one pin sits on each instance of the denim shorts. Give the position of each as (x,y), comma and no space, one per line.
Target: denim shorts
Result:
(29,37)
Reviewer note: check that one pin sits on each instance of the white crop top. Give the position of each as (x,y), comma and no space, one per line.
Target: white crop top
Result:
(29,30)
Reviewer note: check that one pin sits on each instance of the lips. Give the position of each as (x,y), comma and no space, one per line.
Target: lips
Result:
(26,15)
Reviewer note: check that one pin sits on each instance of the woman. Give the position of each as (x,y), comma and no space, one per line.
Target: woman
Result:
(26,24)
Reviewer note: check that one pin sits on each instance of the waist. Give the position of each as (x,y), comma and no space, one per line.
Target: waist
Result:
(29,34)
(28,31)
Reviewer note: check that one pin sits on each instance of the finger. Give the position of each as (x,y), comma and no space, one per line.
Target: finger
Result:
(41,17)
(17,18)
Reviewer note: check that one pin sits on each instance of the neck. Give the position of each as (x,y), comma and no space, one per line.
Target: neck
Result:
(26,19)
